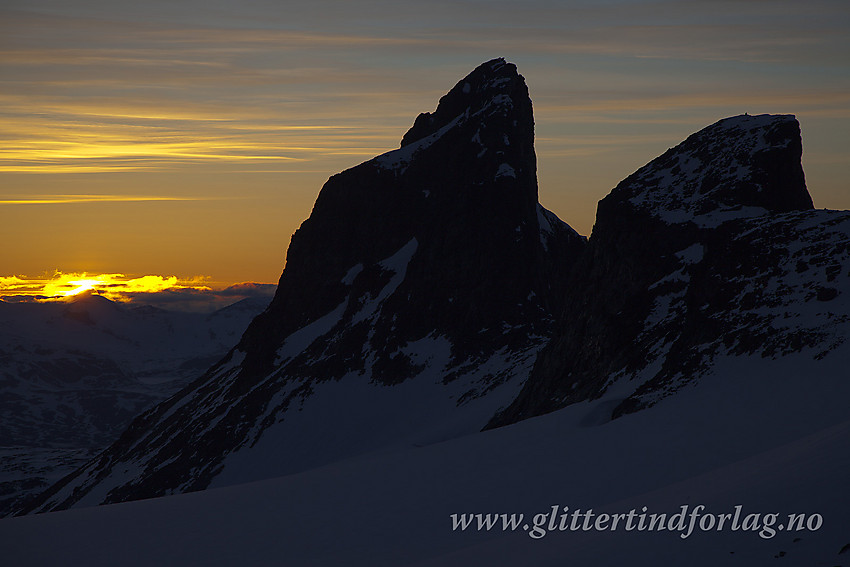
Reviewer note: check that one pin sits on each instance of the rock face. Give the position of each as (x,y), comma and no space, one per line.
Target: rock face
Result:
(411,308)
(453,214)
(711,249)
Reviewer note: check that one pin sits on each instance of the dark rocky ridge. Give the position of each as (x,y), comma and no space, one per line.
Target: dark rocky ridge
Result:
(712,249)
(678,267)
(441,242)
(464,185)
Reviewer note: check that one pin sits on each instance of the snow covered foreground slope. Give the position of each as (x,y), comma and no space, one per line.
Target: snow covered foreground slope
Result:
(748,436)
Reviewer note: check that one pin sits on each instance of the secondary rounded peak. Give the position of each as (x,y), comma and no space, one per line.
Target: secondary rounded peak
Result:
(739,166)
(752,121)
(493,84)
(752,133)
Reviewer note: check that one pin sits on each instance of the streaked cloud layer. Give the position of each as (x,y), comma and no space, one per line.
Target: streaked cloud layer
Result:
(72,199)
(232,114)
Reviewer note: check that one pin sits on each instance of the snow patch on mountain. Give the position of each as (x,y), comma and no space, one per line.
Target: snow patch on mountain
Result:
(698,180)
(550,225)
(397,263)
(351,274)
(505,170)
(398,160)
(298,341)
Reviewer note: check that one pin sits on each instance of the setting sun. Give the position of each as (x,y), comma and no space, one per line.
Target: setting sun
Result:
(116,287)
(198,293)
(83,285)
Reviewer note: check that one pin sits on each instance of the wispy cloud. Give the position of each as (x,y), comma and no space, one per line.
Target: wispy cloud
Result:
(61,140)
(278,90)
(71,199)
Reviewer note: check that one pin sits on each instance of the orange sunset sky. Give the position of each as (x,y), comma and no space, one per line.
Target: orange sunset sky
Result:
(189,139)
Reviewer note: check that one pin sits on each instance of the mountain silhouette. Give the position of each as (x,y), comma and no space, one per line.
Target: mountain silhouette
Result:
(429,295)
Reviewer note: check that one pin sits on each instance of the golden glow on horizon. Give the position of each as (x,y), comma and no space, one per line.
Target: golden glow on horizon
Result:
(116,287)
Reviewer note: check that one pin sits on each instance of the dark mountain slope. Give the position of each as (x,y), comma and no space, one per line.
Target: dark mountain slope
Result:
(413,303)
(712,248)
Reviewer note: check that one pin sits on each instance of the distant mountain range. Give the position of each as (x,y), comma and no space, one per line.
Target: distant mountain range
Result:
(429,296)
(74,374)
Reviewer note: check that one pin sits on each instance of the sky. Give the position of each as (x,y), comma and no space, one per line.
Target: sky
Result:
(189,139)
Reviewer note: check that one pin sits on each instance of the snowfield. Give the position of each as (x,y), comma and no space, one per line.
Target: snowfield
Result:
(768,435)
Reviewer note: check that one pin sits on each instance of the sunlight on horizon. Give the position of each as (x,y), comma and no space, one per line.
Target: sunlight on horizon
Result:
(82,286)
(115,287)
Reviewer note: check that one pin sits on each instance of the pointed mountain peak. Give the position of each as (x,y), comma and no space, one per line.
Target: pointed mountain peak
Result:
(742,166)
(463,186)
(492,85)
(431,265)
(485,126)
